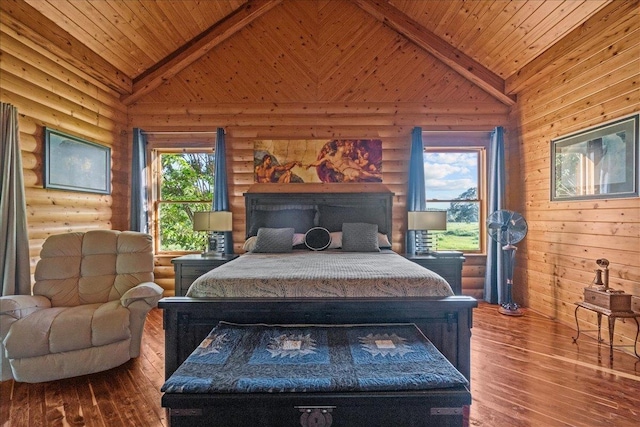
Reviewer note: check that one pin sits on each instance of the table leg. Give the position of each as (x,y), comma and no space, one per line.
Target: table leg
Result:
(612,324)
(599,326)
(575,314)
(635,343)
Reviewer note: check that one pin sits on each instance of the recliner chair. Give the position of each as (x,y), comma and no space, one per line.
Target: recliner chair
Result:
(90,299)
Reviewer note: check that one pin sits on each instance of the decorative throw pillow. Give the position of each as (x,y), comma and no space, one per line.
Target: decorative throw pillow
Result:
(317,239)
(360,237)
(274,240)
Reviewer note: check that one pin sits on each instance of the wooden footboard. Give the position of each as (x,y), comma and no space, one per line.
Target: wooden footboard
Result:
(445,321)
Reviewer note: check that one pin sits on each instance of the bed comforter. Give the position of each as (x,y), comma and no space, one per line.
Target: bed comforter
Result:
(322,274)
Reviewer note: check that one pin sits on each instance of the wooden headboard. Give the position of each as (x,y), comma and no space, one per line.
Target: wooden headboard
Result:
(369,199)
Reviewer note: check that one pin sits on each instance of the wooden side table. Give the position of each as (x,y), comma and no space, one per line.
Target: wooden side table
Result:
(447,264)
(611,317)
(188,268)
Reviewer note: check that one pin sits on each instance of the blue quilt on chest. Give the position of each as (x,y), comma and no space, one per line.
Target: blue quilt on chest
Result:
(271,359)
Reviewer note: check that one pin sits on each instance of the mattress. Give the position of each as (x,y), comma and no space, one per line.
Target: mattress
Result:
(313,358)
(310,274)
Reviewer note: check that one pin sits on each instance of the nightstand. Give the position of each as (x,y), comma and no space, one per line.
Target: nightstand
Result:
(447,264)
(189,267)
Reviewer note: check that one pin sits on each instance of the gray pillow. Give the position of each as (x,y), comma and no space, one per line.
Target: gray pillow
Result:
(360,237)
(274,240)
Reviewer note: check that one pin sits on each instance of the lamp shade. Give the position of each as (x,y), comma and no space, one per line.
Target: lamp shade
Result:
(212,221)
(427,220)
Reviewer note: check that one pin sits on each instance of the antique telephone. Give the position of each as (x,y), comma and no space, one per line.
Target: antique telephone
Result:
(600,294)
(601,280)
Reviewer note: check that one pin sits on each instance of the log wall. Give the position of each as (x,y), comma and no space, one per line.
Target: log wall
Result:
(361,123)
(50,93)
(590,78)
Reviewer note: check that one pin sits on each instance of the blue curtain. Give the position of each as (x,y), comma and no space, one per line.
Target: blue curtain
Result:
(495,276)
(220,189)
(416,190)
(139,215)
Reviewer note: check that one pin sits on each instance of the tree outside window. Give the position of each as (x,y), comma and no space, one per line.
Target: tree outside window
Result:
(453,183)
(184,185)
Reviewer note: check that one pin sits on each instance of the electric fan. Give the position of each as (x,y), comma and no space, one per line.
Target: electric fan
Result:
(508,228)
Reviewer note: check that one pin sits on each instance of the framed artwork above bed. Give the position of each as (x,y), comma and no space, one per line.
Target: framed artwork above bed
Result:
(308,161)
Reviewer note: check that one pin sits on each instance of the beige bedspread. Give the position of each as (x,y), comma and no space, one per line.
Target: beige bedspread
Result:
(319,274)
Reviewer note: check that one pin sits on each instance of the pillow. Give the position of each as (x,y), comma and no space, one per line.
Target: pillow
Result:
(383,241)
(298,239)
(274,240)
(317,238)
(332,217)
(336,240)
(300,219)
(360,237)
(250,243)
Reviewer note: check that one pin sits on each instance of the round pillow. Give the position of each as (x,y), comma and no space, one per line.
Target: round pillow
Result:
(317,238)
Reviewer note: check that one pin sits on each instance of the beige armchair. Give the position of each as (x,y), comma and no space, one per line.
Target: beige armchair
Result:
(90,299)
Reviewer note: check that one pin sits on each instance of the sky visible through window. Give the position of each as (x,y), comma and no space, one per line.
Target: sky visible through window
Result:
(448,175)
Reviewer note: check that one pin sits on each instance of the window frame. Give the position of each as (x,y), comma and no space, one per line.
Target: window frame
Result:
(154,154)
(464,142)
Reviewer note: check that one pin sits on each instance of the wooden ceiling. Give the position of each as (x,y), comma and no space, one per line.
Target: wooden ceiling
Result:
(139,45)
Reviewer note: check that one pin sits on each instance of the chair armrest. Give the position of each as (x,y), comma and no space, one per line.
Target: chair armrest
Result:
(149,292)
(19,306)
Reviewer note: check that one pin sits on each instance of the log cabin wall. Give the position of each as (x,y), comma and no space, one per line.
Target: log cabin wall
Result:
(49,92)
(312,70)
(590,78)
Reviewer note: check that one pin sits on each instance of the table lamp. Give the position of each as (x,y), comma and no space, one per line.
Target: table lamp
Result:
(215,223)
(422,222)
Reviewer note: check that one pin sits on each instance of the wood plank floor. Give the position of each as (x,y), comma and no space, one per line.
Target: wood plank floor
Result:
(525,372)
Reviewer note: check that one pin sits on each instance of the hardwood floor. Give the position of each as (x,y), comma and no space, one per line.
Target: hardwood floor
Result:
(525,372)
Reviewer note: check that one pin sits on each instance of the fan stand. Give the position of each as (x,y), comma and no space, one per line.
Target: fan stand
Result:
(509,307)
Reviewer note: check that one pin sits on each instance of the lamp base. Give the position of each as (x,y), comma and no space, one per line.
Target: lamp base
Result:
(215,244)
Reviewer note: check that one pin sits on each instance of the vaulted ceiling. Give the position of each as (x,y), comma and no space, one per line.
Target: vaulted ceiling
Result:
(137,46)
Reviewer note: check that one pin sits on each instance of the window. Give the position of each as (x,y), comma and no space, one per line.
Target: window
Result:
(454,182)
(182,185)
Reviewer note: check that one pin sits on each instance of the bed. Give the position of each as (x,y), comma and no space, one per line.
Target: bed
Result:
(443,318)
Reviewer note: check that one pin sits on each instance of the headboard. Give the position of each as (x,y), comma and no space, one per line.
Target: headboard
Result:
(331,208)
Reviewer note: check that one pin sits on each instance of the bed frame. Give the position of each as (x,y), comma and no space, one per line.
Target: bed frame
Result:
(445,321)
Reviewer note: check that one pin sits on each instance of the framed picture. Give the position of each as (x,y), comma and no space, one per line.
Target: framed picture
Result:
(71,163)
(321,160)
(598,163)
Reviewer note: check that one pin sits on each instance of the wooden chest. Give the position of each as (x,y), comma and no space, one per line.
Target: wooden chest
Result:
(614,301)
(430,408)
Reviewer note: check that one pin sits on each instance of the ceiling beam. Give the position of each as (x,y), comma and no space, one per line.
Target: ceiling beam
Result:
(28,22)
(198,47)
(425,39)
